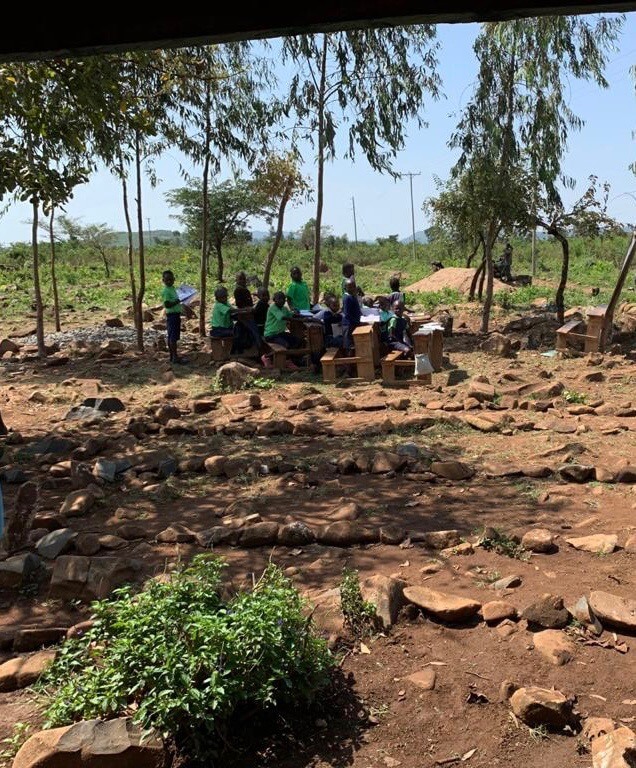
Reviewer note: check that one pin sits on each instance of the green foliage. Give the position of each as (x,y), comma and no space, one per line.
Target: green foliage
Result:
(359,614)
(494,540)
(13,743)
(571,396)
(182,659)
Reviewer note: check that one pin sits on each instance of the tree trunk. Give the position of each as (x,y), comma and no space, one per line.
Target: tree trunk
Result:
(321,169)
(56,301)
(203,272)
(485,317)
(3,428)
(131,264)
(219,262)
(278,236)
(142,255)
(39,308)
(102,253)
(469,260)
(565,266)
(476,277)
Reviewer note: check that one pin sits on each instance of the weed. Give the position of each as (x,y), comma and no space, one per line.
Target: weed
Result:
(13,743)
(496,541)
(260,382)
(571,396)
(185,659)
(540,733)
(359,614)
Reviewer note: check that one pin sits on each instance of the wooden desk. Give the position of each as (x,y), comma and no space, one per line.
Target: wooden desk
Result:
(430,341)
(311,333)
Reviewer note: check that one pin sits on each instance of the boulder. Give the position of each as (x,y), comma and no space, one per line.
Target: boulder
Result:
(576,473)
(619,612)
(445,607)
(616,749)
(295,534)
(347,532)
(452,470)
(598,543)
(538,540)
(384,462)
(19,570)
(547,612)
(24,670)
(544,707)
(554,646)
(234,376)
(259,535)
(55,543)
(498,610)
(77,503)
(387,594)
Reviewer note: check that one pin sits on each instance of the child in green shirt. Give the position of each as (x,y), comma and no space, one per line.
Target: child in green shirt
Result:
(276,326)
(222,319)
(172,306)
(298,291)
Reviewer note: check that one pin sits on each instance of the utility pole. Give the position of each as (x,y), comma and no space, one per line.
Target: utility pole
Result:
(149,230)
(355,226)
(410,175)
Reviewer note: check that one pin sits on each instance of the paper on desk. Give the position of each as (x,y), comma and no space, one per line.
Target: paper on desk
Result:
(186,293)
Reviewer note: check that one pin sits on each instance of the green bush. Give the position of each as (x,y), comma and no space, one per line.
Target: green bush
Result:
(181,659)
(359,614)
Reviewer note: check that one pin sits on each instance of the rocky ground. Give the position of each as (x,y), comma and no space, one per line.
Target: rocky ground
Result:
(490,517)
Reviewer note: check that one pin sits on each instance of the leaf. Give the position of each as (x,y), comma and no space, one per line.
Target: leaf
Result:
(468,754)
(364,648)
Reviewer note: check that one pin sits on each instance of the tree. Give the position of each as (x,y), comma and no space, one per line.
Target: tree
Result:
(278,179)
(231,203)
(374,79)
(221,114)
(588,216)
(48,112)
(97,237)
(518,114)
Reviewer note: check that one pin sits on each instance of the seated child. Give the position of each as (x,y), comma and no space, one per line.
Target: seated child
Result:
(399,330)
(222,318)
(351,314)
(348,272)
(247,332)
(396,294)
(260,309)
(298,291)
(330,317)
(385,316)
(276,326)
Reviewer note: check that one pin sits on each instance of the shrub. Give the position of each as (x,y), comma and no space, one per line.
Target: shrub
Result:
(181,659)
(359,615)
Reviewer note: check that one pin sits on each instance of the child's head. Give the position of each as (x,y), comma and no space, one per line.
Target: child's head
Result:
(394,282)
(296,274)
(168,277)
(348,269)
(367,301)
(263,294)
(280,299)
(383,303)
(241,279)
(331,300)
(398,308)
(350,286)
(220,294)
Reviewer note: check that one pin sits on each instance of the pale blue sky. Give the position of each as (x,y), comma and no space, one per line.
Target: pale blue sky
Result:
(604,147)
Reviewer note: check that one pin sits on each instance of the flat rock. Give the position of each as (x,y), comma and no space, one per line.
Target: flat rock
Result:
(542,706)
(598,543)
(424,678)
(387,594)
(452,470)
(539,540)
(443,606)
(616,611)
(616,749)
(576,473)
(554,646)
(507,582)
(24,670)
(55,543)
(498,610)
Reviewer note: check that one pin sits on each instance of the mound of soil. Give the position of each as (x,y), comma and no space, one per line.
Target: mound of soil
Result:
(457,278)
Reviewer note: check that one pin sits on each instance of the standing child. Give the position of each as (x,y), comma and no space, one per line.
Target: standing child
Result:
(396,294)
(276,326)
(399,330)
(172,305)
(351,314)
(298,291)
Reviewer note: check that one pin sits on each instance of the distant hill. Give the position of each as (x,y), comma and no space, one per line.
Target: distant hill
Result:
(420,237)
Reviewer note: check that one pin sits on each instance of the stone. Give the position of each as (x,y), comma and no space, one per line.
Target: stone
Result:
(538,540)
(77,503)
(619,612)
(55,543)
(498,610)
(452,470)
(114,322)
(234,376)
(107,573)
(215,465)
(536,470)
(115,743)
(346,532)
(497,344)
(34,638)
(584,614)
(626,475)
(409,449)
(275,427)
(16,534)
(70,573)
(87,544)
(554,646)
(630,545)
(259,535)
(20,570)
(348,511)
(387,594)
(392,534)
(218,536)
(177,533)
(544,707)
(598,543)
(481,391)
(616,749)
(105,404)
(576,473)
(384,461)
(110,541)
(593,727)
(295,534)
(436,539)
(507,582)
(604,475)
(547,612)
(131,531)
(24,670)
(203,405)
(465,548)
(450,608)
(424,678)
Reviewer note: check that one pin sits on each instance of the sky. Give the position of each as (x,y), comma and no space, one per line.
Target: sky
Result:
(605,147)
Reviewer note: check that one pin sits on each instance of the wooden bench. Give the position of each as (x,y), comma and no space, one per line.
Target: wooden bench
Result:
(577,330)
(220,348)
(363,340)
(281,354)
(395,360)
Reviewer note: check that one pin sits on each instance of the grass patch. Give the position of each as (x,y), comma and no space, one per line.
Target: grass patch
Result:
(494,540)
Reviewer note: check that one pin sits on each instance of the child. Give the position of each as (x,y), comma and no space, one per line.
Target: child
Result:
(330,317)
(298,291)
(351,314)
(222,321)
(385,316)
(348,273)
(242,294)
(172,305)
(396,293)
(399,332)
(247,333)
(260,309)
(276,326)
